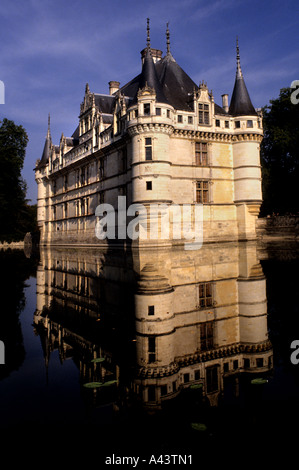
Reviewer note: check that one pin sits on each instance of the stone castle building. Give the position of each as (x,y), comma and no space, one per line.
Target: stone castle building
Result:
(158,139)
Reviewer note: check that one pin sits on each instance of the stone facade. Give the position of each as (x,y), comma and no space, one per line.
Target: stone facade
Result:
(158,139)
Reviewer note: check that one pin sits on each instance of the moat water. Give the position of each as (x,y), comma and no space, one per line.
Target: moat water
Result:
(82,379)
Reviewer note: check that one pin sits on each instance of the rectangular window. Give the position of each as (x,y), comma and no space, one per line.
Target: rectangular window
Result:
(151,349)
(101,168)
(151,310)
(168,113)
(226,124)
(246,363)
(201,153)
(236,364)
(151,393)
(65,182)
(148,148)
(237,124)
(190,120)
(205,294)
(158,111)
(203,114)
(212,379)
(249,123)
(217,122)
(197,375)
(202,192)
(136,113)
(149,186)
(206,336)
(146,109)
(259,362)
(163,390)
(180,118)
(65,210)
(186,378)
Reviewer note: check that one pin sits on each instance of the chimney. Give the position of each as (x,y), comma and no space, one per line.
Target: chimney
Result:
(225,102)
(113,87)
(156,55)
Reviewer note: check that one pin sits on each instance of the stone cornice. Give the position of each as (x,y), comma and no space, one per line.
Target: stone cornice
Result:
(150,127)
(199,357)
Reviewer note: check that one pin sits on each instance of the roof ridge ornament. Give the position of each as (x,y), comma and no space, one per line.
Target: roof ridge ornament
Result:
(239,70)
(148,40)
(167,39)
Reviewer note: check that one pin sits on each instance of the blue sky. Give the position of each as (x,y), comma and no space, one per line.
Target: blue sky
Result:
(50,49)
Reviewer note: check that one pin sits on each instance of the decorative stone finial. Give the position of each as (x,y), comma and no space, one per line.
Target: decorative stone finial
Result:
(239,70)
(148,41)
(167,39)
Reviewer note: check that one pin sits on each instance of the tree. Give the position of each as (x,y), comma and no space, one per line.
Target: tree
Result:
(280,155)
(16,216)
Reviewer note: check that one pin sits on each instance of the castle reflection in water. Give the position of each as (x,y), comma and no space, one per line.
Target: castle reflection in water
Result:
(157,322)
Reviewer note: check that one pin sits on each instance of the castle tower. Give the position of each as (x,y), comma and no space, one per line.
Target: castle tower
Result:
(246,156)
(41,168)
(150,127)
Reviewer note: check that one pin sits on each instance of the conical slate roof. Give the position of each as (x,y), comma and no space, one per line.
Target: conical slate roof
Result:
(47,148)
(240,104)
(149,77)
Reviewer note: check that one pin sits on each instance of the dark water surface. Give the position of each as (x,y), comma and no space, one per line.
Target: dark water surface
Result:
(62,309)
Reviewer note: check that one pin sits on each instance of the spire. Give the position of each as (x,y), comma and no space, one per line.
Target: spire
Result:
(239,70)
(47,147)
(49,131)
(148,76)
(167,39)
(148,40)
(240,104)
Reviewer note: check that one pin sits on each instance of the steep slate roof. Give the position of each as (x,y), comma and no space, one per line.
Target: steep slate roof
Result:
(240,104)
(149,77)
(170,81)
(47,148)
(178,87)
(105,103)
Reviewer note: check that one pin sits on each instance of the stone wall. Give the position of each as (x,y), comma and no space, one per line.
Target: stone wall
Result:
(278,228)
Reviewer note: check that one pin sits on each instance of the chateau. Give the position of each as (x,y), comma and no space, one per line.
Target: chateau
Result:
(159,139)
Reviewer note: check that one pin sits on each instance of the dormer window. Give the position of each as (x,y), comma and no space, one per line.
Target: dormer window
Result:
(203,114)
(146,109)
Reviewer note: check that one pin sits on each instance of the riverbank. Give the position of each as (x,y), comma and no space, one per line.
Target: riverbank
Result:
(12,245)
(276,228)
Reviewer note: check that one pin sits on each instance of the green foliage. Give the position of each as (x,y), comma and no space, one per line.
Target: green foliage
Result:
(16,216)
(280,155)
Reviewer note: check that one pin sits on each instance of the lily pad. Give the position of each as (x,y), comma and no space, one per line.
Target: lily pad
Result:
(259,381)
(199,426)
(110,382)
(195,386)
(98,359)
(93,385)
